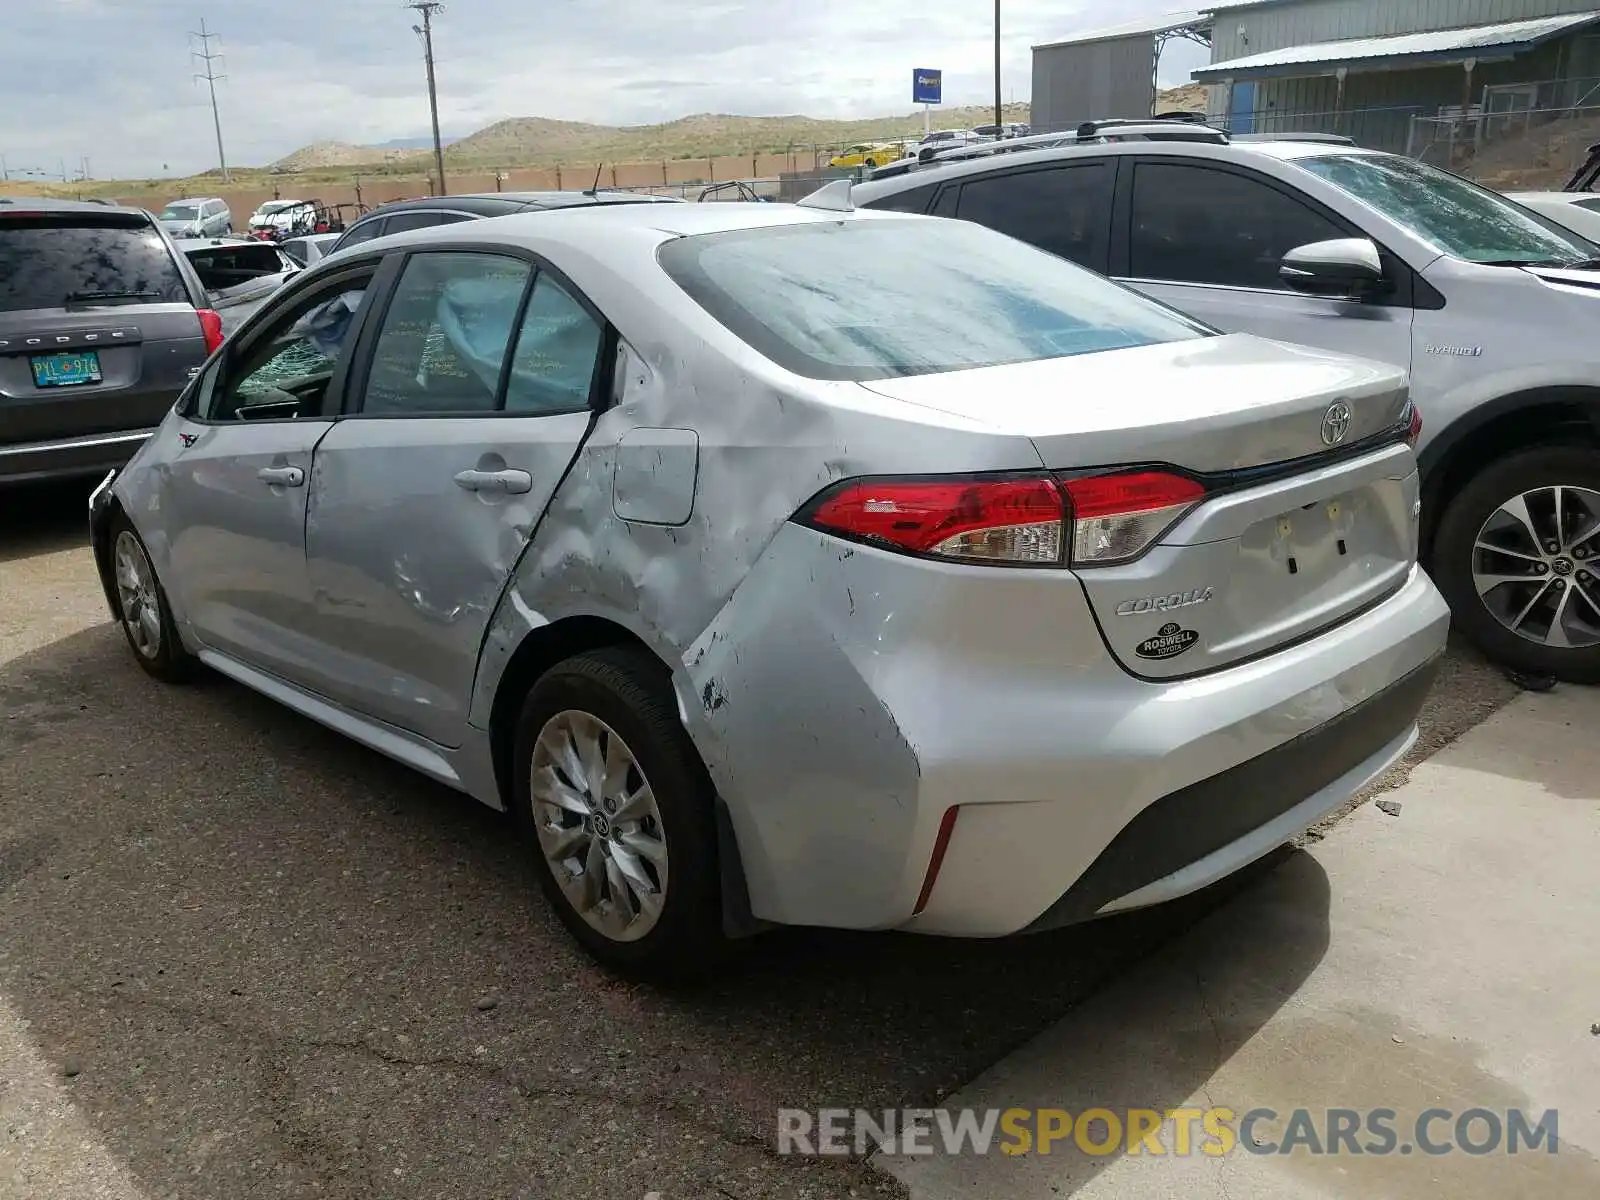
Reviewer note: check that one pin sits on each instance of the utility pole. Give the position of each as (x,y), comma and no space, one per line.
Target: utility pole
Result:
(998,119)
(428,9)
(210,75)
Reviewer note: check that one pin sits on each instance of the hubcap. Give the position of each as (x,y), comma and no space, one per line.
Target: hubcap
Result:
(136,593)
(598,825)
(1526,566)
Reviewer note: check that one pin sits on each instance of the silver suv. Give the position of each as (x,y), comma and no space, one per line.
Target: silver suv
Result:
(198,217)
(1491,307)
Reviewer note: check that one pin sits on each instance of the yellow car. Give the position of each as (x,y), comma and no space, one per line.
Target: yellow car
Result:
(866,156)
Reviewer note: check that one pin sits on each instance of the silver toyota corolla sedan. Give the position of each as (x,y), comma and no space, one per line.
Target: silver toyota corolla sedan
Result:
(765,585)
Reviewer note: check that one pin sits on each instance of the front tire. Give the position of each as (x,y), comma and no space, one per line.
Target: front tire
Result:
(1517,555)
(143,610)
(611,797)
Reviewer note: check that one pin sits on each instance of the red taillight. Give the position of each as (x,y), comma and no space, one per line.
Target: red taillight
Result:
(1414,429)
(1116,517)
(211,326)
(1016,520)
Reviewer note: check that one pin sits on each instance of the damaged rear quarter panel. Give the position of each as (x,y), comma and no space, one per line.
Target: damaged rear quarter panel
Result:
(768,441)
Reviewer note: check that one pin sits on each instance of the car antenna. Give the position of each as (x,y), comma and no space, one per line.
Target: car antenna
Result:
(594,188)
(835,197)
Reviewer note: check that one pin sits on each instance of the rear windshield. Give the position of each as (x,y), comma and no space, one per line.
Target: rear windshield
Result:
(875,299)
(73,261)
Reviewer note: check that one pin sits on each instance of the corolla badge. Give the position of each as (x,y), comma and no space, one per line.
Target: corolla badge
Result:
(1335,423)
(1150,604)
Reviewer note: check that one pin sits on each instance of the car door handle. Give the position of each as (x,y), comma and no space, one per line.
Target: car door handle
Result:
(282,476)
(508,481)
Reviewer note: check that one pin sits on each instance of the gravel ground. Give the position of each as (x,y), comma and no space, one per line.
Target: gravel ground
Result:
(259,960)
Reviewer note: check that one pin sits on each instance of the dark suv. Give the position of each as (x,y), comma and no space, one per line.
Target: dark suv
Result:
(401,215)
(102,323)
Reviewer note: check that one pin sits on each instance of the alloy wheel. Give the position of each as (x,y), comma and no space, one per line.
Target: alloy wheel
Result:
(598,825)
(137,595)
(1534,565)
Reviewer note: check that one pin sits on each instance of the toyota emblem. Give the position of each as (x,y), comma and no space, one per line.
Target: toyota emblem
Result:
(1335,423)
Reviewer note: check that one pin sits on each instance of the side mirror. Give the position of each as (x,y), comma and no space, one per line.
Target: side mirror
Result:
(1347,268)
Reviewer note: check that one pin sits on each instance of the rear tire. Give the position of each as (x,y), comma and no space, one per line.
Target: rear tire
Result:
(1512,595)
(613,801)
(143,610)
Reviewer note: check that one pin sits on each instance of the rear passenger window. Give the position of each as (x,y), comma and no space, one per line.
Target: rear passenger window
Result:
(558,350)
(444,338)
(1198,225)
(362,233)
(1065,210)
(401,222)
(912,200)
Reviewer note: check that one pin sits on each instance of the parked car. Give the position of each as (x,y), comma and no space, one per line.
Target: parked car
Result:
(431,211)
(305,250)
(1575,207)
(1490,306)
(866,154)
(763,585)
(238,274)
(102,323)
(198,217)
(279,219)
(945,139)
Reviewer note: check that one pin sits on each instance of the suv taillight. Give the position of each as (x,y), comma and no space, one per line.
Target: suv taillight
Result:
(211,326)
(1032,520)
(1414,427)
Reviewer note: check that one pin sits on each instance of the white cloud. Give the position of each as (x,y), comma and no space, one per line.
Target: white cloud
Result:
(111,80)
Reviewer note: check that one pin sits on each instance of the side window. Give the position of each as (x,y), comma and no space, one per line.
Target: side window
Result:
(362,232)
(401,222)
(444,338)
(451,218)
(912,200)
(1197,225)
(945,205)
(558,348)
(1065,210)
(286,370)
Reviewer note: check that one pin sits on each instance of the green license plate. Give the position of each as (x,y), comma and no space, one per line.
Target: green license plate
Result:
(66,368)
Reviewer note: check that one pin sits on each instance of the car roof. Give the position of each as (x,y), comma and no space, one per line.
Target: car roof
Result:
(194,200)
(495,204)
(52,205)
(937,172)
(187,244)
(665,221)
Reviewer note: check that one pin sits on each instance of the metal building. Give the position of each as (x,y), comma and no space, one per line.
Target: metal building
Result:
(1419,76)
(1106,73)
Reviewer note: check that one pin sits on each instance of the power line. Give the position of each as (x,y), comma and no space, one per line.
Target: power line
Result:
(428,9)
(210,75)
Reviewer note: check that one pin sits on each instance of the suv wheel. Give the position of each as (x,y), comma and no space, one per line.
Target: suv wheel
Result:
(612,798)
(1518,557)
(142,608)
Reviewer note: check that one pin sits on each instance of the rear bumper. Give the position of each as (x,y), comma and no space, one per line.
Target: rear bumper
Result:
(848,698)
(1191,838)
(65,458)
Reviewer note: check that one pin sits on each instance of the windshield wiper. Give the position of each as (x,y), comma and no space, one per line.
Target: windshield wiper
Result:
(82,297)
(1561,264)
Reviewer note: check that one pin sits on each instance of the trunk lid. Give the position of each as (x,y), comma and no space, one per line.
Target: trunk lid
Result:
(1310,515)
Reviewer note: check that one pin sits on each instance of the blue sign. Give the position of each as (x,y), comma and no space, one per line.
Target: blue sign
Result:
(927,86)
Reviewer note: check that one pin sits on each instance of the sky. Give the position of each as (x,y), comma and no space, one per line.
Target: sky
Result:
(111,81)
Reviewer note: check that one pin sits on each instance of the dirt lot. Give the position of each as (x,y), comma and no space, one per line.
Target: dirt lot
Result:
(254,959)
